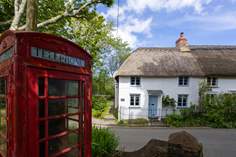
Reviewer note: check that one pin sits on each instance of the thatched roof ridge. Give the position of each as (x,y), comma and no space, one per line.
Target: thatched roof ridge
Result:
(202,60)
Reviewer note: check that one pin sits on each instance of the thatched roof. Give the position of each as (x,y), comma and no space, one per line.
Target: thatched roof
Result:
(169,62)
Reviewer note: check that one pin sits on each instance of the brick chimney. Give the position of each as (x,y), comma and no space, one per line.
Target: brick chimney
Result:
(182,43)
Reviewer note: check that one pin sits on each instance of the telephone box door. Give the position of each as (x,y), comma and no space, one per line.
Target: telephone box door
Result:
(56,117)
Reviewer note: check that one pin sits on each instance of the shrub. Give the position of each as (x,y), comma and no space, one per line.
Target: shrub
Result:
(175,120)
(100,106)
(167,101)
(218,111)
(104,142)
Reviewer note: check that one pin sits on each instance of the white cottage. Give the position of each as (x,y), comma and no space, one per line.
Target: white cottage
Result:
(150,73)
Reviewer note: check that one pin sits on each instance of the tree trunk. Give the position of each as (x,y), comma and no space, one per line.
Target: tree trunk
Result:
(31,15)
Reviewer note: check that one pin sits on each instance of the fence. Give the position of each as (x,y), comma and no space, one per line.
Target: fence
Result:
(128,113)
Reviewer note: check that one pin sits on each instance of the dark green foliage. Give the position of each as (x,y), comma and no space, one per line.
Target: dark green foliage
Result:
(218,111)
(167,101)
(6,13)
(103,85)
(104,142)
(100,105)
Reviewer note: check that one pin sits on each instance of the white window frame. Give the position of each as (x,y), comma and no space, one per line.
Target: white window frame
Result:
(181,104)
(135,81)
(184,80)
(212,81)
(136,100)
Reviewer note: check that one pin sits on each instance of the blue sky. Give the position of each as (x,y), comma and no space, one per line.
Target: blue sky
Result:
(157,23)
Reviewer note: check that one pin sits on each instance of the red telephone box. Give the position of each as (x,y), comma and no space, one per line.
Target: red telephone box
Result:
(45,96)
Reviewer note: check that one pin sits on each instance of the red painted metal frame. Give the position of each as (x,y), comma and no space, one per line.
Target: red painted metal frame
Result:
(21,72)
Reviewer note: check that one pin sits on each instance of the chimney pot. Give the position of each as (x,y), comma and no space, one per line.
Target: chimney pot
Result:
(182,43)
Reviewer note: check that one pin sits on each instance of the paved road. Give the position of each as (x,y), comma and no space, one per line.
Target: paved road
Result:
(216,142)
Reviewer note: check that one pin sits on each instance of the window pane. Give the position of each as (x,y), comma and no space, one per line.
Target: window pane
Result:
(2,86)
(3,126)
(58,144)
(72,88)
(56,87)
(180,80)
(56,126)
(41,109)
(137,101)
(73,125)
(185,80)
(56,107)
(131,100)
(137,80)
(3,108)
(42,149)
(3,118)
(3,148)
(42,130)
(73,103)
(180,100)
(209,81)
(214,81)
(132,80)
(73,153)
(41,86)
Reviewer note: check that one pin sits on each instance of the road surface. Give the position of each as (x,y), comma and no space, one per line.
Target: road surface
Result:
(216,142)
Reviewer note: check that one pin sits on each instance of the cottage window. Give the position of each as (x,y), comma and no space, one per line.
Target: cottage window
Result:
(183,80)
(135,81)
(182,100)
(212,81)
(134,100)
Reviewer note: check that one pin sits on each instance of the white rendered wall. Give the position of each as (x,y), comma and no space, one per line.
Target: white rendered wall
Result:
(169,86)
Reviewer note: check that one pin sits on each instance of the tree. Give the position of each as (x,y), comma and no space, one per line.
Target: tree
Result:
(96,36)
(76,20)
(13,12)
(108,52)
(31,15)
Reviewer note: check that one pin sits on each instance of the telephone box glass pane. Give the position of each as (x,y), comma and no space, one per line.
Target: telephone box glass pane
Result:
(72,88)
(41,108)
(56,87)
(56,126)
(42,130)
(60,112)
(2,86)
(58,144)
(72,153)
(73,105)
(3,118)
(41,86)
(56,107)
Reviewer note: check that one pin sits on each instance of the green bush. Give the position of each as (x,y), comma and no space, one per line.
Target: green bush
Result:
(167,101)
(104,142)
(175,120)
(218,111)
(100,106)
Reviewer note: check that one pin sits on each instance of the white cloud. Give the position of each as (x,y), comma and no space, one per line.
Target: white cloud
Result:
(130,23)
(169,5)
(133,26)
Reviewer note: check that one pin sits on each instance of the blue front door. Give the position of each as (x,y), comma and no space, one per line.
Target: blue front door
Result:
(152,106)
